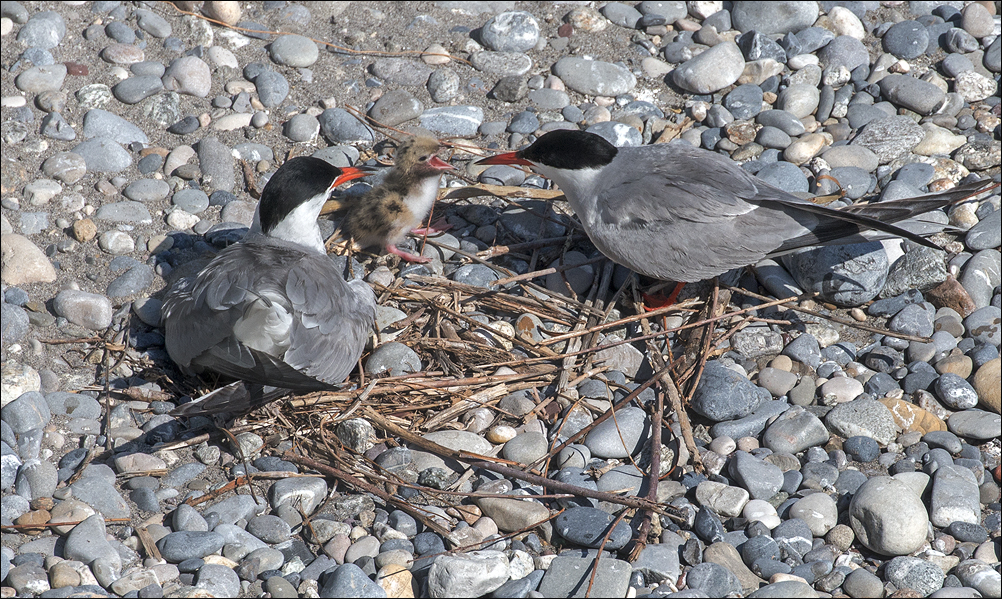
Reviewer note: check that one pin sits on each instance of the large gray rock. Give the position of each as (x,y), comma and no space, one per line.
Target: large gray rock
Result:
(888,517)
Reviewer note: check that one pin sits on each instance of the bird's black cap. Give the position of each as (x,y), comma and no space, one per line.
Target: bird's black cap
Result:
(570,150)
(295,182)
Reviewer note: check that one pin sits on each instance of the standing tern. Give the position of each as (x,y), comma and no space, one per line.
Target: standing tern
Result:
(272,310)
(389,211)
(679,213)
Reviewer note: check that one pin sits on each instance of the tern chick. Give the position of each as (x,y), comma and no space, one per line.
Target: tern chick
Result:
(272,310)
(388,212)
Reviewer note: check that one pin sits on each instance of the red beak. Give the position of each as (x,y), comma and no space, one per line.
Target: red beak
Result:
(349,173)
(509,158)
(439,164)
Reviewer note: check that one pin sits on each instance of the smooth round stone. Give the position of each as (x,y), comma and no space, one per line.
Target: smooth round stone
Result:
(782,120)
(888,517)
(771,137)
(955,392)
(851,155)
(587,527)
(759,510)
(842,389)
(147,190)
(104,155)
(744,101)
(293,51)
(723,394)
(89,310)
(712,70)
(778,17)
(189,75)
(799,99)
(713,579)
(794,431)
(192,201)
(861,449)
(595,77)
(911,93)
(777,382)
(65,166)
(526,448)
(395,107)
(723,445)
(818,510)
(273,88)
(907,40)
(302,127)
(116,243)
(631,425)
(270,529)
(177,547)
(514,31)
(784,176)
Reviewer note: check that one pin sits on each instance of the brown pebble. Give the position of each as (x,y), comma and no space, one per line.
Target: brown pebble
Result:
(42,503)
(951,294)
(565,30)
(858,315)
(33,518)
(76,69)
(84,230)
(106,188)
(155,150)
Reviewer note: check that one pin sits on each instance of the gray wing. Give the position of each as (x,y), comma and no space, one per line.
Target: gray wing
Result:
(688,214)
(333,319)
(199,317)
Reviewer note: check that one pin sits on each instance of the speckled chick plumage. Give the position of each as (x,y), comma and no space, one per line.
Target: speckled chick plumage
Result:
(385,214)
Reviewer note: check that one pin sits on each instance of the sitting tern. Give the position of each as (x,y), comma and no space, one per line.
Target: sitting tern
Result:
(389,211)
(679,213)
(272,310)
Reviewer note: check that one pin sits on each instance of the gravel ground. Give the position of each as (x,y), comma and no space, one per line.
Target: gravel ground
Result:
(836,462)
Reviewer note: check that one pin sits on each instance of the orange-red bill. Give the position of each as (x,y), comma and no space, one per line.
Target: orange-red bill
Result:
(349,173)
(509,158)
(439,164)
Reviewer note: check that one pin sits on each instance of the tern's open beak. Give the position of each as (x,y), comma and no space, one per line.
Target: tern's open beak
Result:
(351,172)
(509,158)
(439,165)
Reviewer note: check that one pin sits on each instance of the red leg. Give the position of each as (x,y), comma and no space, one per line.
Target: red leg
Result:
(653,302)
(408,257)
(439,226)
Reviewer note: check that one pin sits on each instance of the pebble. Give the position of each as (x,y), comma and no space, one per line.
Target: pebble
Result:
(103,155)
(594,77)
(723,394)
(515,31)
(293,51)
(711,70)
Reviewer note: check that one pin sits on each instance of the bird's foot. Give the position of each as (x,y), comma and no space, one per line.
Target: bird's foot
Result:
(406,256)
(439,226)
(658,300)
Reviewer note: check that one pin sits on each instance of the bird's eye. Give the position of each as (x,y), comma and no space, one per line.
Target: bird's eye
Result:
(425,158)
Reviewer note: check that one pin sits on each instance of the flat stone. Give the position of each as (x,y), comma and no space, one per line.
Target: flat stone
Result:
(595,77)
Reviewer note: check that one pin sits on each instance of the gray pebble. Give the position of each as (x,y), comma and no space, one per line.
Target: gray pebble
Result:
(515,31)
(294,51)
(104,155)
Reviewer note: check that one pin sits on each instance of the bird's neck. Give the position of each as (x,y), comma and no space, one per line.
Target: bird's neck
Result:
(580,186)
(299,226)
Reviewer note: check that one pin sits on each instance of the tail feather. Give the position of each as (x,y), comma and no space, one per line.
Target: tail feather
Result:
(898,210)
(236,398)
(882,220)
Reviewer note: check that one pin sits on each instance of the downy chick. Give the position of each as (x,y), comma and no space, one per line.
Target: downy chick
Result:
(388,212)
